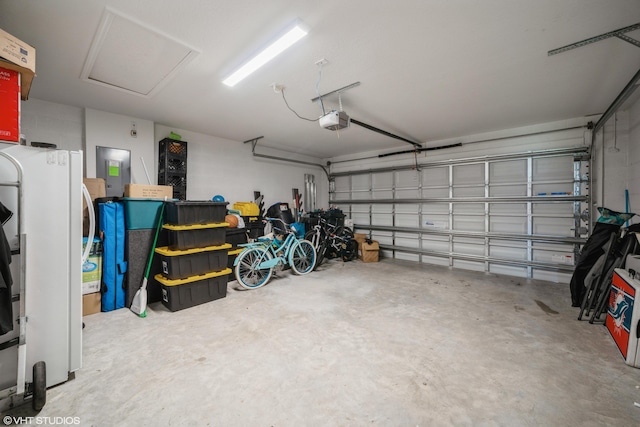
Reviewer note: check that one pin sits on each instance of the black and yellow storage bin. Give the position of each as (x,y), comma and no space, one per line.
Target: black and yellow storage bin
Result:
(182,237)
(231,258)
(195,290)
(193,262)
(236,236)
(194,212)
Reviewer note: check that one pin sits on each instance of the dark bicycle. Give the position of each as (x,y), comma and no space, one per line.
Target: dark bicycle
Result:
(332,241)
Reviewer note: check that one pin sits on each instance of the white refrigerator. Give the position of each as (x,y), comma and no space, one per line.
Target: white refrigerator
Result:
(47,272)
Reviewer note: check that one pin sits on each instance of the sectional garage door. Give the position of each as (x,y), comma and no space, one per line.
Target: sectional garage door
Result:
(517,214)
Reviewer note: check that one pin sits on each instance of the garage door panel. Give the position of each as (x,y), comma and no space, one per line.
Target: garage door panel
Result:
(519,254)
(409,193)
(468,208)
(405,256)
(553,168)
(508,208)
(435,209)
(508,270)
(382,219)
(438,176)
(552,189)
(382,180)
(407,220)
(407,178)
(468,174)
(407,242)
(556,209)
(507,224)
(435,245)
(382,194)
(434,193)
(468,192)
(468,249)
(508,190)
(435,260)
(468,223)
(468,265)
(508,171)
(553,226)
(360,182)
(342,183)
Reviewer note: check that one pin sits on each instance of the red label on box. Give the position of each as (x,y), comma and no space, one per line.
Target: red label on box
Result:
(9,105)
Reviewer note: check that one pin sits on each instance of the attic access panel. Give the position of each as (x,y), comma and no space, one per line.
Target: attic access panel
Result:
(129,56)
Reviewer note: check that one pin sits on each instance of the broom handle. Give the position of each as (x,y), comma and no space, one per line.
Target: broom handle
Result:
(155,240)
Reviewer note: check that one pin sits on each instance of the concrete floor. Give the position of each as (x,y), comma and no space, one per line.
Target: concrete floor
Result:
(391,343)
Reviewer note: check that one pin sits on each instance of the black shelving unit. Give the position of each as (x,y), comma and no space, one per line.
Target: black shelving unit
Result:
(172,166)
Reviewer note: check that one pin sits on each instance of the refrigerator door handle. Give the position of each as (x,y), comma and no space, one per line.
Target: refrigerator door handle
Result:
(92,226)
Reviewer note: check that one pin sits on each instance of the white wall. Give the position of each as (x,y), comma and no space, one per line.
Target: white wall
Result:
(611,161)
(633,171)
(58,124)
(114,130)
(221,166)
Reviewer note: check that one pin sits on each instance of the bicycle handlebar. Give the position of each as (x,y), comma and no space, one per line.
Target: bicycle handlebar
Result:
(288,226)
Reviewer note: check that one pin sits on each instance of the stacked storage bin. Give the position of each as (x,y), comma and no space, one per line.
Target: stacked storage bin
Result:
(194,263)
(172,166)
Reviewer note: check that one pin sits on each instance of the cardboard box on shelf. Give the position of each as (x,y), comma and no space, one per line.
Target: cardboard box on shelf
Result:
(148,191)
(10,105)
(15,50)
(91,303)
(18,56)
(96,188)
(370,251)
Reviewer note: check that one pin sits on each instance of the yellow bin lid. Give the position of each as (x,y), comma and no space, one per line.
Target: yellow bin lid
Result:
(175,282)
(195,226)
(247,208)
(164,250)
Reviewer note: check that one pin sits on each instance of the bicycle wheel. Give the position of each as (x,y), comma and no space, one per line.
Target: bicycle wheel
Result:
(319,242)
(302,258)
(247,272)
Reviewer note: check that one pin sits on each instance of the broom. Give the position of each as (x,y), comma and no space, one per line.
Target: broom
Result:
(139,303)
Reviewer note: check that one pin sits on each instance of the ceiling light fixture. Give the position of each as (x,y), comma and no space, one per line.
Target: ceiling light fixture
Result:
(273,50)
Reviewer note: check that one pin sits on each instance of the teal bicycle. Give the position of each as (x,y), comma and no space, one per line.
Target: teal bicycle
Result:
(255,265)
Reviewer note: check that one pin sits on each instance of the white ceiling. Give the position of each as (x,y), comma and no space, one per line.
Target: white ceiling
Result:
(429,69)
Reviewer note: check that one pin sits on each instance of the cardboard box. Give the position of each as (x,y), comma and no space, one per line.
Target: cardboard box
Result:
(92,267)
(360,238)
(18,56)
(97,188)
(148,191)
(91,303)
(16,51)
(9,105)
(370,251)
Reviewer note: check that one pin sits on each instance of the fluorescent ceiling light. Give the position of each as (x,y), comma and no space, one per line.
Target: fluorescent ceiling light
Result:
(277,47)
